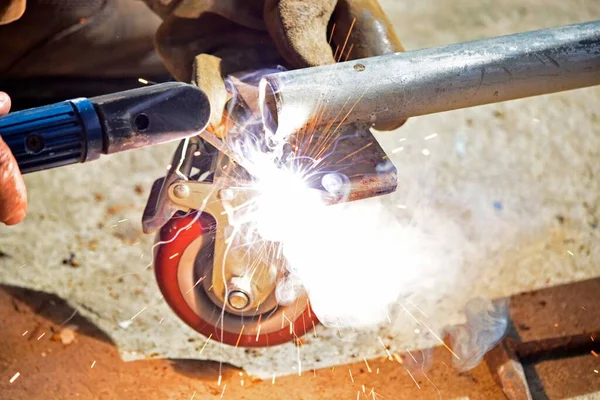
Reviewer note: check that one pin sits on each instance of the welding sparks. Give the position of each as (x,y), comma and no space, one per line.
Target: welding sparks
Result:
(239,336)
(351,377)
(284,216)
(196,284)
(299,362)
(93,364)
(205,343)
(398,358)
(367,364)
(258,331)
(223,392)
(440,340)
(125,324)
(385,348)
(14,378)
(413,378)
(418,309)
(139,312)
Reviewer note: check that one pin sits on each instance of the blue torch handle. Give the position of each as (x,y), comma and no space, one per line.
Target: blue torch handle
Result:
(52,136)
(80,130)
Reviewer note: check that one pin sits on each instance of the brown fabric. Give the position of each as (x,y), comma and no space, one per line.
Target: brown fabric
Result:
(11,10)
(208,48)
(292,33)
(81,38)
(299,29)
(372,34)
(13,197)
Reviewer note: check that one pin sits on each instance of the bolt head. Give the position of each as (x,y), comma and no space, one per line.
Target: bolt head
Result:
(226,194)
(238,300)
(240,294)
(181,191)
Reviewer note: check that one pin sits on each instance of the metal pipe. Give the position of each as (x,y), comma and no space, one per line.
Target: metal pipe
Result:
(387,89)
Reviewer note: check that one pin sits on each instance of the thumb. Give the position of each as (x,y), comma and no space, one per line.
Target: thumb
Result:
(13,197)
(4,103)
(299,30)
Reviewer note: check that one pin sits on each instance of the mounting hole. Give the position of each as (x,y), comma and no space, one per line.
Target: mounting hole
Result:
(34,143)
(141,122)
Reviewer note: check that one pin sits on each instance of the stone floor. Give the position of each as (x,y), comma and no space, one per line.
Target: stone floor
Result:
(508,193)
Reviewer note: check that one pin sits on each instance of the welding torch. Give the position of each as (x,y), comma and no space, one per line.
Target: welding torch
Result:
(81,130)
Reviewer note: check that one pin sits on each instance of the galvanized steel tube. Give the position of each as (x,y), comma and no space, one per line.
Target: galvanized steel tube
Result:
(387,89)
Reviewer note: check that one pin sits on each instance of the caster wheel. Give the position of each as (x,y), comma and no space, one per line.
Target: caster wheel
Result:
(183,267)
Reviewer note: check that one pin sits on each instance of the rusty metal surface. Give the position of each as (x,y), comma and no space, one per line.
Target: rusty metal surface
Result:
(565,378)
(356,154)
(508,372)
(351,152)
(556,312)
(552,333)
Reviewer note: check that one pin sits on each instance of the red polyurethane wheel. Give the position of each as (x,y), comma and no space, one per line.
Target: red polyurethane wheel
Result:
(176,262)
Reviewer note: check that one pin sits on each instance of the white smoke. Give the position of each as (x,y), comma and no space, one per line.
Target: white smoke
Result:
(356,260)
(485,327)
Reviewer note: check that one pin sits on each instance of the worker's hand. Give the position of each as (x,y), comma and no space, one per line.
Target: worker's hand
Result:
(206,41)
(13,198)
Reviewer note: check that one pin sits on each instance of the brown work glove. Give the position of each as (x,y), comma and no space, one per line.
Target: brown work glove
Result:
(13,198)
(204,41)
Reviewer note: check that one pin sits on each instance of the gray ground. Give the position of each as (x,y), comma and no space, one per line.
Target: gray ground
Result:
(509,192)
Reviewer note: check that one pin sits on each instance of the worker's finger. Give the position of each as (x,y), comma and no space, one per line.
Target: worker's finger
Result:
(5,103)
(13,197)
(299,30)
(11,11)
(361,29)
